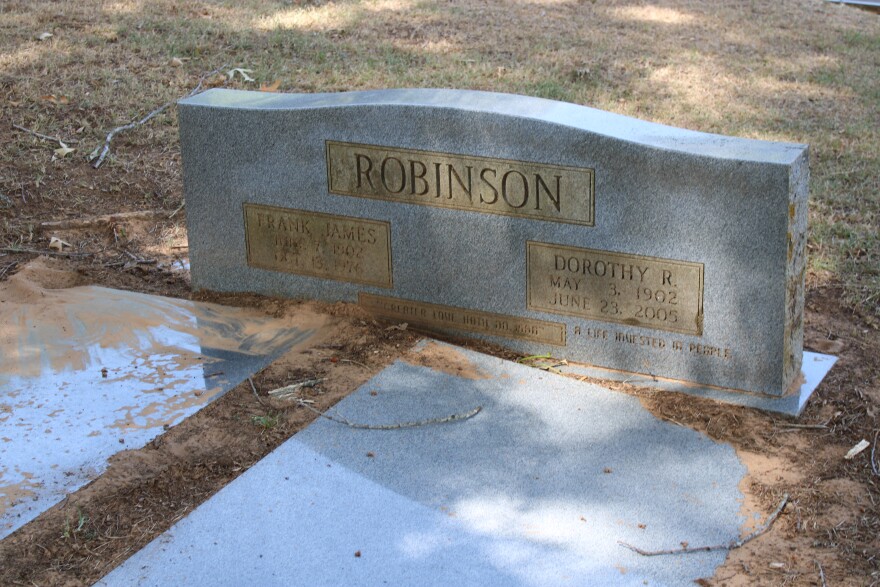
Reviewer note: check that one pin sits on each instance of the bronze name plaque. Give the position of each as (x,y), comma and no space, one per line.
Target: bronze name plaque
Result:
(478,184)
(438,317)
(616,287)
(318,245)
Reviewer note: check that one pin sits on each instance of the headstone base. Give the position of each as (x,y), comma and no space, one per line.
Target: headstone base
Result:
(815,367)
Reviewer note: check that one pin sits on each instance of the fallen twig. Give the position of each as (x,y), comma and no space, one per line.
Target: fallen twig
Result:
(873,450)
(806,426)
(733,544)
(821,574)
(179,208)
(288,390)
(54,253)
(353,363)
(44,137)
(138,260)
(96,221)
(6,268)
(100,155)
(257,395)
(401,425)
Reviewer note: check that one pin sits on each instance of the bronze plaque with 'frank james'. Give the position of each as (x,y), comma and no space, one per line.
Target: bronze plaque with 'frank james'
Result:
(319,245)
(463,182)
(616,287)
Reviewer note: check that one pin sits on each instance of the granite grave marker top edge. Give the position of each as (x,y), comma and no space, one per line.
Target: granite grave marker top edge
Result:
(616,126)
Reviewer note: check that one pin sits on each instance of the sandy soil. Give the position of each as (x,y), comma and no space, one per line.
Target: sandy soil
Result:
(830,528)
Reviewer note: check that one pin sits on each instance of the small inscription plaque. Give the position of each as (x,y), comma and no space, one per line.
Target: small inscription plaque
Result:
(436,316)
(616,287)
(477,184)
(320,245)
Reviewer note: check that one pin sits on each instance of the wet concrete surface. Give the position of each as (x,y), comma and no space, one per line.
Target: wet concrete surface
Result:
(86,372)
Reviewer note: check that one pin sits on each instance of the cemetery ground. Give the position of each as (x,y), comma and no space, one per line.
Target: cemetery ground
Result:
(801,71)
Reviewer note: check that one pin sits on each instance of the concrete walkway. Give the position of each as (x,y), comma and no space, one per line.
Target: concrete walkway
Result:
(536,489)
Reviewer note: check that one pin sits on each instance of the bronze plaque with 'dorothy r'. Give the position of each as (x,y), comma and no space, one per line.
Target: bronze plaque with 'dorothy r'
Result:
(440,317)
(536,191)
(319,245)
(616,287)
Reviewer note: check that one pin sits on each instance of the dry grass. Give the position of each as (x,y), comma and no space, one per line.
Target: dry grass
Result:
(793,70)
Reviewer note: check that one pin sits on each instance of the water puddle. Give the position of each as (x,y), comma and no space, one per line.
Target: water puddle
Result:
(86,372)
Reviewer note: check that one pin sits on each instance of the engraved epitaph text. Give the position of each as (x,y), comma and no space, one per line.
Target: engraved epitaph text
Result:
(440,317)
(320,245)
(616,287)
(478,184)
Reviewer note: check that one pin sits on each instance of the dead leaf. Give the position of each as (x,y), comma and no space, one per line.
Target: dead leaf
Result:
(45,36)
(178,61)
(828,347)
(242,72)
(56,244)
(57,100)
(273,87)
(862,445)
(63,150)
(215,81)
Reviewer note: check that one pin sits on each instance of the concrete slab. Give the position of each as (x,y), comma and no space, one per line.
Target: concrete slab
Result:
(534,490)
(814,368)
(86,372)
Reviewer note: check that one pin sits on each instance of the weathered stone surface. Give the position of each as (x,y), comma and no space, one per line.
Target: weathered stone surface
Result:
(539,225)
(535,490)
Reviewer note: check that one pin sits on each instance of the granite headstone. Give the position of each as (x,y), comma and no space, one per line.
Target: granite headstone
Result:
(543,226)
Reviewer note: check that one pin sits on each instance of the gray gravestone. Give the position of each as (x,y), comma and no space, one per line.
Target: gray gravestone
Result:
(542,226)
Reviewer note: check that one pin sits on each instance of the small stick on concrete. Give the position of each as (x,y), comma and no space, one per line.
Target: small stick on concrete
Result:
(821,574)
(733,544)
(44,137)
(338,420)
(103,152)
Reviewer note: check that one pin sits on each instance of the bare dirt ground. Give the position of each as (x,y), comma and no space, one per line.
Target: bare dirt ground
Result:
(797,70)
